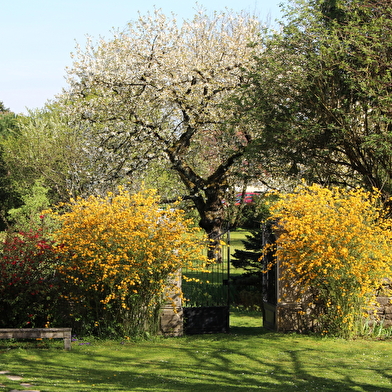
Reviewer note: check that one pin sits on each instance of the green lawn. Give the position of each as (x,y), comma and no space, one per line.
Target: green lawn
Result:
(236,237)
(248,359)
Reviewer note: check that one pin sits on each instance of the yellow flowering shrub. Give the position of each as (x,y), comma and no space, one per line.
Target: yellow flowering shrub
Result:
(117,253)
(334,247)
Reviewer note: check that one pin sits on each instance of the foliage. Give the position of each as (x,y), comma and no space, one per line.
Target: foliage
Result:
(9,198)
(160,176)
(3,108)
(252,214)
(28,216)
(44,148)
(28,288)
(7,119)
(159,90)
(117,253)
(334,250)
(322,94)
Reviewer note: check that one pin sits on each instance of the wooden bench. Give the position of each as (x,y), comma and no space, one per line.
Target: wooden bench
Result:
(38,333)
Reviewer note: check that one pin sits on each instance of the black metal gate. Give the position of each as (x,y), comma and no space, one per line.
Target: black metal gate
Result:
(206,304)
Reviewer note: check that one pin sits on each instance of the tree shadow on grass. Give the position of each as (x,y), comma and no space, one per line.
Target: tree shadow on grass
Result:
(241,361)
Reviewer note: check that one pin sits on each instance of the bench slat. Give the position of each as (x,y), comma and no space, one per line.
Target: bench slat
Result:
(35,333)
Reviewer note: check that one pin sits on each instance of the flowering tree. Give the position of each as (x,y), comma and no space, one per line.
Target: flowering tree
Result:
(334,249)
(117,253)
(157,91)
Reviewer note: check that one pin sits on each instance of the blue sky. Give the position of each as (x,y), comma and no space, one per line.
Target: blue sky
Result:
(37,37)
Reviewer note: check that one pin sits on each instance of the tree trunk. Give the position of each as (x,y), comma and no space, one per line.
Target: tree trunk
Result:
(212,221)
(207,194)
(214,233)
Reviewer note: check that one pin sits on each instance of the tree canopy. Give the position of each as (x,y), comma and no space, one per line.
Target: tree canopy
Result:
(42,147)
(159,91)
(9,198)
(322,94)
(7,119)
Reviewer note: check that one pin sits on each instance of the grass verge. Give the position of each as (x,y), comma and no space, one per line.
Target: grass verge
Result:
(248,359)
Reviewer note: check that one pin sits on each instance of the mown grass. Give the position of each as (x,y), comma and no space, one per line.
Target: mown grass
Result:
(236,238)
(248,359)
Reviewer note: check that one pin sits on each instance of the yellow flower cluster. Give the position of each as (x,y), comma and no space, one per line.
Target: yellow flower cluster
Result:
(335,244)
(124,247)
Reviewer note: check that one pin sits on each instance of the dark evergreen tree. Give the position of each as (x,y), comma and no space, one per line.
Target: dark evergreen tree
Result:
(249,259)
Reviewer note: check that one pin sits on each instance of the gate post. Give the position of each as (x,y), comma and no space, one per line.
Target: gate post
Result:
(171,313)
(283,309)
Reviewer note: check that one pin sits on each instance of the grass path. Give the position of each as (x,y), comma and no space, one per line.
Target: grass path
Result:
(248,359)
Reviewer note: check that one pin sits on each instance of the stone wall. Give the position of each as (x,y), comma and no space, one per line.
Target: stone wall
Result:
(294,315)
(290,311)
(384,310)
(384,304)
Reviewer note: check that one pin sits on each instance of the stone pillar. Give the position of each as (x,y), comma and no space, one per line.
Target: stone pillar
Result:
(284,308)
(295,310)
(171,314)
